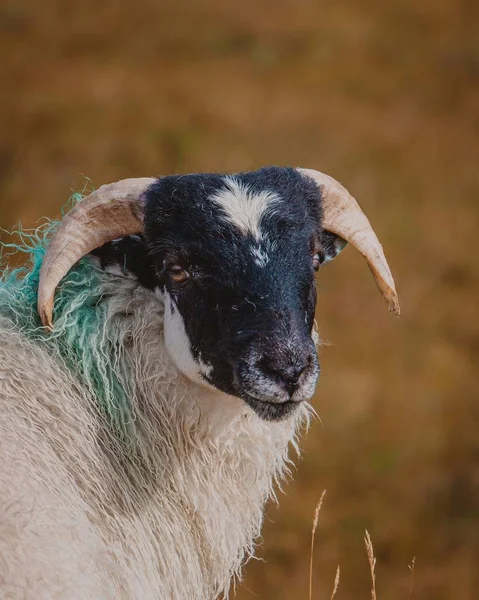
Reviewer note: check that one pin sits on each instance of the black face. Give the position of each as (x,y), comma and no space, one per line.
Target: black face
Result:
(236,258)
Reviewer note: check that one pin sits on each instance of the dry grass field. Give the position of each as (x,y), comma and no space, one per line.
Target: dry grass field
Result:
(384,96)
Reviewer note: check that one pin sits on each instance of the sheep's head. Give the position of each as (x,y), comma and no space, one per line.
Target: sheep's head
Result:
(234,258)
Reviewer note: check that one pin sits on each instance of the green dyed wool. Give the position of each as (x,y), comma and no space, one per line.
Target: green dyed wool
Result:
(84,337)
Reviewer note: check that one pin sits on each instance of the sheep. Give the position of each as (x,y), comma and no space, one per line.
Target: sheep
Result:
(143,431)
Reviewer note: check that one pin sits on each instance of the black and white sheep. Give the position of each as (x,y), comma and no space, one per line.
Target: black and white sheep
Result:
(142,434)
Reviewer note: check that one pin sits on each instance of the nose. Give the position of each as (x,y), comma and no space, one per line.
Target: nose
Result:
(286,372)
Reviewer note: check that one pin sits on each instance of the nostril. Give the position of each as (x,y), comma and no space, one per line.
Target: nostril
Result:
(293,375)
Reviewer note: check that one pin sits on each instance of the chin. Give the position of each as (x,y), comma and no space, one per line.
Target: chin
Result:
(266,409)
(271,411)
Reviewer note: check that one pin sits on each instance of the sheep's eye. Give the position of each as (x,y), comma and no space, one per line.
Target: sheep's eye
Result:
(178,274)
(318,259)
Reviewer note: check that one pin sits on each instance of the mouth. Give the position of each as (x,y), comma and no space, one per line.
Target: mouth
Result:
(263,393)
(269,400)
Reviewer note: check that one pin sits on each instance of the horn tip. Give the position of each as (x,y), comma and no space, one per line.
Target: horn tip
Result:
(393,304)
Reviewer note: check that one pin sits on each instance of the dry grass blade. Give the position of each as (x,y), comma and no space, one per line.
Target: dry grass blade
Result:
(411,568)
(336,583)
(372,562)
(313,532)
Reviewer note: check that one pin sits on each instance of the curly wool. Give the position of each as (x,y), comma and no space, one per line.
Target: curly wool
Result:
(119,478)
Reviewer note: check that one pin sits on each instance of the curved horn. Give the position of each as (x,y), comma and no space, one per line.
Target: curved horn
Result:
(114,210)
(343,216)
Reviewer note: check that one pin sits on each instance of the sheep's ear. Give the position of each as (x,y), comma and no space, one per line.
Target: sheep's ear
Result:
(333,244)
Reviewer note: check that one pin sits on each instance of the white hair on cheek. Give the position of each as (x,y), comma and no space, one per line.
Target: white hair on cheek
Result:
(178,343)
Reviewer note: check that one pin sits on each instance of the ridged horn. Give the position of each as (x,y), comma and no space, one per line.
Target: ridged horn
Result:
(343,216)
(114,210)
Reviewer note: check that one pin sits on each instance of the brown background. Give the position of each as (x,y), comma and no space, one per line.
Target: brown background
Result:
(383,96)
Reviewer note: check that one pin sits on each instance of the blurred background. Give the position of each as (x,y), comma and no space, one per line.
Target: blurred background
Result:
(384,96)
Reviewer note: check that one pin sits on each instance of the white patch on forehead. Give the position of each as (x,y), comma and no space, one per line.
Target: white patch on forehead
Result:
(179,347)
(243,208)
